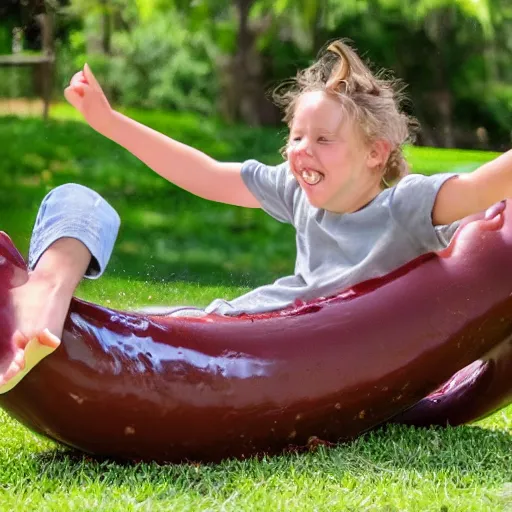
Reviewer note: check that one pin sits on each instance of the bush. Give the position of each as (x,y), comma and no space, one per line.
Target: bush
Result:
(157,65)
(5,39)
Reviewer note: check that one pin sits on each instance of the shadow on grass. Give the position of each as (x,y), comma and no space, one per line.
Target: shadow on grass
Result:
(453,462)
(468,448)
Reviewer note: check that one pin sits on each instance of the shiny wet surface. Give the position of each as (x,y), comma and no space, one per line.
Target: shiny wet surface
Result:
(134,386)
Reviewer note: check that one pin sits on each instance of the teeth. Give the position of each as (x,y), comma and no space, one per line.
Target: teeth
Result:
(311,177)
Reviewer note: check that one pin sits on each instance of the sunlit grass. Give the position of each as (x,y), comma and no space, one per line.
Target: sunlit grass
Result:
(465,468)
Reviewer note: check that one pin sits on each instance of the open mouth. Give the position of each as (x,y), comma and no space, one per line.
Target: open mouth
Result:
(311,177)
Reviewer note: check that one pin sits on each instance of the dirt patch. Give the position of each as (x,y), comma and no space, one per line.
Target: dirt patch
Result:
(22,107)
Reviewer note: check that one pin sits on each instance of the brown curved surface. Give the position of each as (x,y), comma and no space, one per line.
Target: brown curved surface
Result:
(131,386)
(472,394)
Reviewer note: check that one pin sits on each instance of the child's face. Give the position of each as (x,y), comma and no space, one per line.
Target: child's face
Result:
(337,170)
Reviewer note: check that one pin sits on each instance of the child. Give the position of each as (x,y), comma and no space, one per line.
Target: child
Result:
(344,149)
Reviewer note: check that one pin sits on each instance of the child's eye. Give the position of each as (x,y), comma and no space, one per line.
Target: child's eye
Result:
(322,139)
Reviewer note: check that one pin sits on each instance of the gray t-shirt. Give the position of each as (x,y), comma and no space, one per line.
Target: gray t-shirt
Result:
(336,251)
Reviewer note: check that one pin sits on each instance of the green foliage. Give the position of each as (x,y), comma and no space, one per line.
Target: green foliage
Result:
(161,64)
(16,83)
(156,63)
(179,55)
(498,98)
(420,10)
(5,39)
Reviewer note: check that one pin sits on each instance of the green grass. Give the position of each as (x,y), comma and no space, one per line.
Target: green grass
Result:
(174,248)
(463,469)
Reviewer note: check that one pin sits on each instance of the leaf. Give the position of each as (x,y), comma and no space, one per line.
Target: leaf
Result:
(146,8)
(280,6)
(477,9)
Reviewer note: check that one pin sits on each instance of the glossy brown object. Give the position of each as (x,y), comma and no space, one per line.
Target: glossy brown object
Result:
(473,393)
(131,386)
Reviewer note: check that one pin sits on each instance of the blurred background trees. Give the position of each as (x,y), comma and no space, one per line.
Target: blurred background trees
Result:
(224,57)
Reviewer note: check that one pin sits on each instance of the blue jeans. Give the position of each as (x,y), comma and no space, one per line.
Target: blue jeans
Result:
(77,212)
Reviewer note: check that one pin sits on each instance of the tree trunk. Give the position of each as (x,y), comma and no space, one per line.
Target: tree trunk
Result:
(439,23)
(318,25)
(444,100)
(106,28)
(425,136)
(243,93)
(43,74)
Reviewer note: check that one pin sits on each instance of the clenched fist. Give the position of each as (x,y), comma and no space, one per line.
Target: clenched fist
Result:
(86,95)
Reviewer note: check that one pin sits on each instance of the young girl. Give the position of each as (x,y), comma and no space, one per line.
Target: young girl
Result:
(344,151)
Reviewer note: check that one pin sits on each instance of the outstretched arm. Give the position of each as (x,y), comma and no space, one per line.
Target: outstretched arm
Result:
(182,165)
(474,192)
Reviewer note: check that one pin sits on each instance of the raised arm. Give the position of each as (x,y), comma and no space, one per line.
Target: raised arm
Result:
(182,165)
(474,192)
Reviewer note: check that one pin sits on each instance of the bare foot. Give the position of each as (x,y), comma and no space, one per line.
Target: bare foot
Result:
(27,354)
(37,308)
(41,303)
(39,314)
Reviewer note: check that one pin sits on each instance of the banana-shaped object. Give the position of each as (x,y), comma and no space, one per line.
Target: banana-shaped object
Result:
(133,386)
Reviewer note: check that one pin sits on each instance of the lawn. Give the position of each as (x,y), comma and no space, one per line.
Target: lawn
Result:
(174,248)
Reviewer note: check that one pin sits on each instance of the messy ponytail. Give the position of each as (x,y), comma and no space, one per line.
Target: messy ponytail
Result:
(373,101)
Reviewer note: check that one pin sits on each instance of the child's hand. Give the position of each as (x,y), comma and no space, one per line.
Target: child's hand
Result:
(86,95)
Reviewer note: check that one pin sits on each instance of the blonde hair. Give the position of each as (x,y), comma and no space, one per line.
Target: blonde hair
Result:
(372,101)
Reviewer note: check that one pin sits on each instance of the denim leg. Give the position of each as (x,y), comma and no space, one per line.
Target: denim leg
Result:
(76,211)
